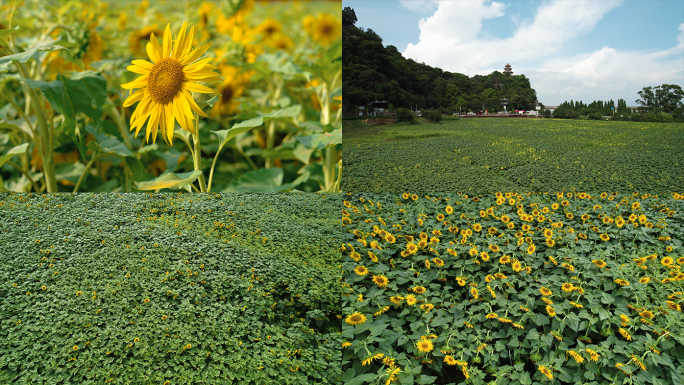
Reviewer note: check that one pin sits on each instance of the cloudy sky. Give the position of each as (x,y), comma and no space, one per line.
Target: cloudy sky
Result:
(569,49)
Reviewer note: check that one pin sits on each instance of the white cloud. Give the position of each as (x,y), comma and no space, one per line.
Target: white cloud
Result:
(452,39)
(419,6)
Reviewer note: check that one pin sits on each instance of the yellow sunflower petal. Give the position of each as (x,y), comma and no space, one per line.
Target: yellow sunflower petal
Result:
(156,48)
(194,105)
(195,54)
(194,87)
(137,96)
(153,123)
(198,66)
(170,123)
(143,63)
(138,70)
(184,106)
(167,41)
(200,75)
(152,53)
(188,42)
(180,116)
(139,122)
(180,41)
(140,82)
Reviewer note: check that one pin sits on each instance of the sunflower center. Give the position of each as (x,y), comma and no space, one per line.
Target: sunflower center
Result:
(355,318)
(226,94)
(165,80)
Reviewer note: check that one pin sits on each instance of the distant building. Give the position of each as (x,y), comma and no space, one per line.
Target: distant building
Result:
(508,70)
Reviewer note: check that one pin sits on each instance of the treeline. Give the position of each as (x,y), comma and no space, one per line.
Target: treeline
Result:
(371,71)
(657,104)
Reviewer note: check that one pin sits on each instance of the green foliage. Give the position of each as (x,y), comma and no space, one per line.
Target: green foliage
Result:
(434,116)
(509,285)
(242,288)
(405,115)
(371,71)
(487,155)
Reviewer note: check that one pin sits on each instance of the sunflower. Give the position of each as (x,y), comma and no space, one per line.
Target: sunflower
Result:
(411,299)
(419,290)
(545,291)
(605,237)
(449,210)
(380,280)
(411,247)
(449,360)
(621,282)
(360,270)
(600,263)
(546,372)
(139,36)
(491,316)
(646,314)
(165,85)
(516,267)
(568,287)
(136,339)
(355,319)
(667,261)
(397,299)
(280,41)
(324,28)
(234,83)
(644,280)
(424,345)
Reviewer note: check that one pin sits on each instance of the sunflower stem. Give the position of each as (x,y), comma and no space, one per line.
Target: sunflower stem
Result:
(197,156)
(44,148)
(87,167)
(25,173)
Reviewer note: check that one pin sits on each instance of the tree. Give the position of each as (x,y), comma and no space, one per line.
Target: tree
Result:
(646,98)
(348,17)
(405,115)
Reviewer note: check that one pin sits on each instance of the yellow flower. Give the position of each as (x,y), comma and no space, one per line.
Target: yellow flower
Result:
(360,270)
(550,310)
(355,319)
(545,291)
(424,345)
(380,280)
(346,345)
(165,85)
(411,299)
(324,28)
(269,27)
(234,83)
(568,287)
(593,354)
(667,261)
(397,299)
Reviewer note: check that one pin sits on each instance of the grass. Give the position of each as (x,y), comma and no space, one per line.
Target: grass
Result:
(167,288)
(513,155)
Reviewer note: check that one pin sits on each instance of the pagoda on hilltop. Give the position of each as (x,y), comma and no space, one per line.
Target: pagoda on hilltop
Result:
(508,70)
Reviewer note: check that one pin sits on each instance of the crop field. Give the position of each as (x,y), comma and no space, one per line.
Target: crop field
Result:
(513,289)
(489,155)
(170,288)
(131,96)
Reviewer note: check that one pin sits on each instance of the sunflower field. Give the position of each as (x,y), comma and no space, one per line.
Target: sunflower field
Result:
(128,96)
(110,288)
(513,288)
(489,155)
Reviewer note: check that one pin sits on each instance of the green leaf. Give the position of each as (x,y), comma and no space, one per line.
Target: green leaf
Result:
(183,135)
(541,320)
(573,321)
(84,92)
(361,379)
(424,379)
(262,180)
(5,33)
(525,378)
(290,112)
(321,141)
(244,126)
(303,153)
(209,102)
(170,180)
(607,298)
(23,57)
(20,149)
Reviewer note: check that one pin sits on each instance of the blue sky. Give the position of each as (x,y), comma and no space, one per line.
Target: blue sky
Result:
(579,50)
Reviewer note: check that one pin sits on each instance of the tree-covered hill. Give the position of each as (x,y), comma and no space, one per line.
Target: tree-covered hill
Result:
(372,72)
